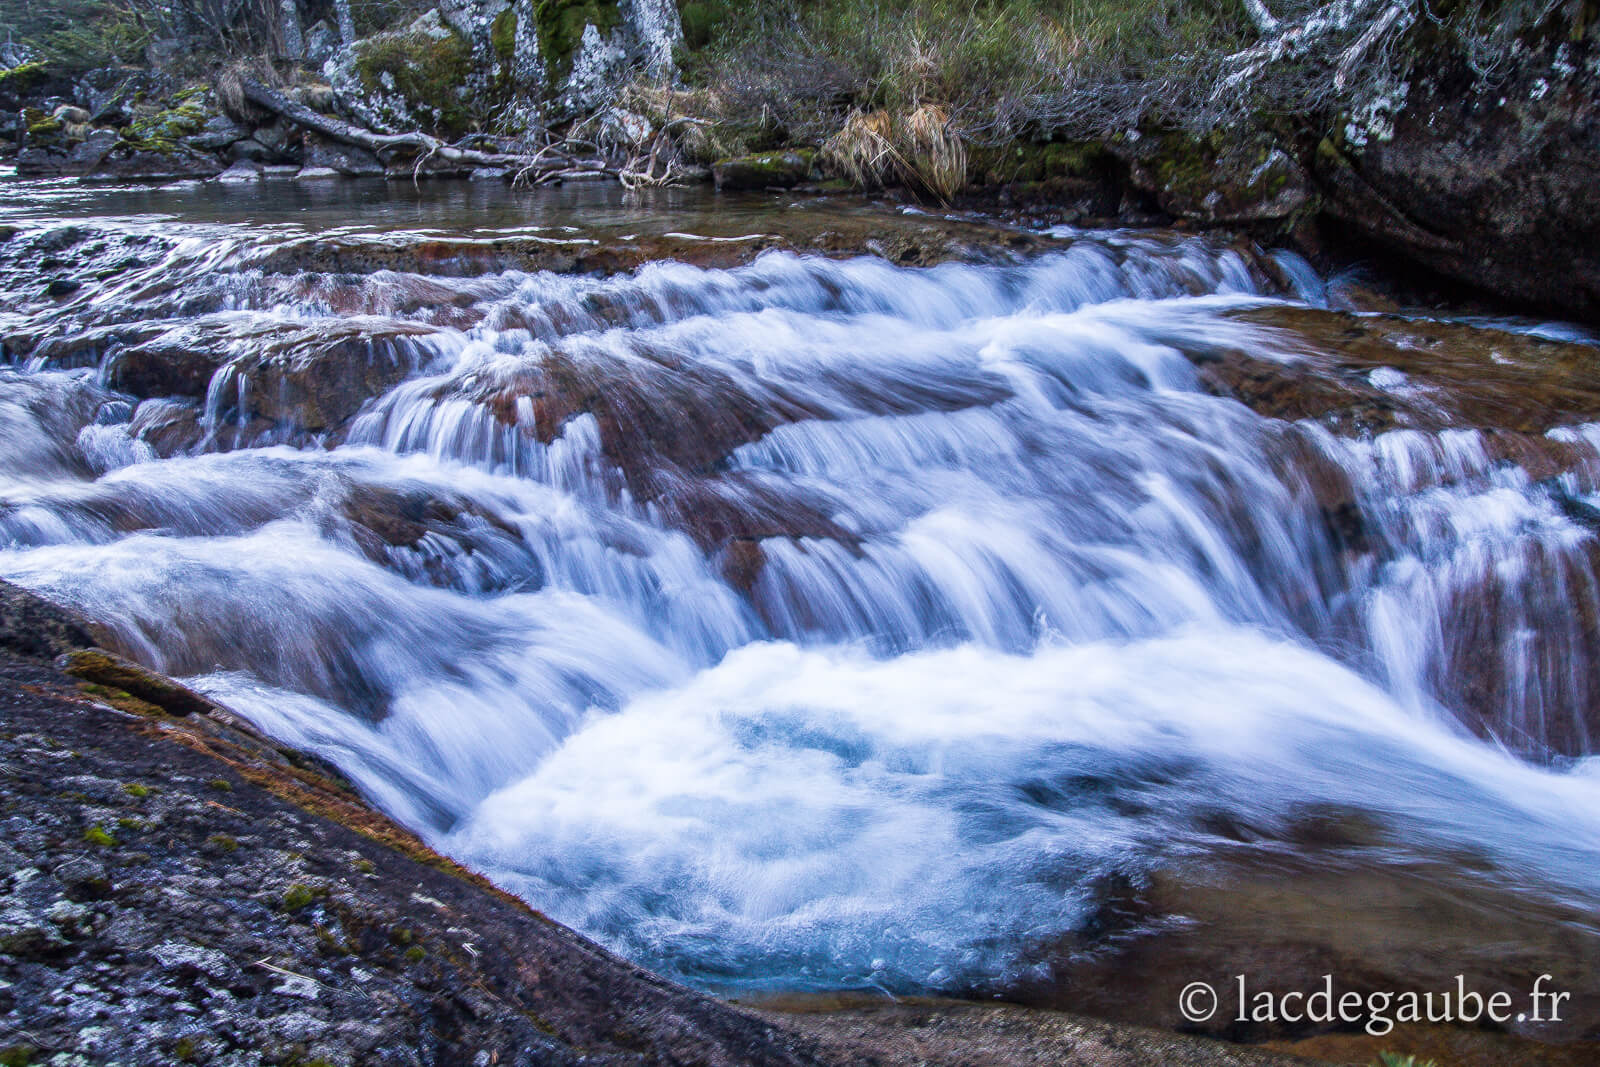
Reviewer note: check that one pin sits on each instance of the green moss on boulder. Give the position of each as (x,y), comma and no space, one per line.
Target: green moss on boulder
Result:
(161,131)
(1220,177)
(114,675)
(20,79)
(503,34)
(425,68)
(561,24)
(766,170)
(1019,162)
(42,129)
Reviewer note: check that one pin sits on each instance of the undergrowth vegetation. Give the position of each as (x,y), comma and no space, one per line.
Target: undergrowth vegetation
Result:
(995,67)
(896,89)
(79,35)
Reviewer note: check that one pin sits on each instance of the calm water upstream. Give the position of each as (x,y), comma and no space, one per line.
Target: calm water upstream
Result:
(819,623)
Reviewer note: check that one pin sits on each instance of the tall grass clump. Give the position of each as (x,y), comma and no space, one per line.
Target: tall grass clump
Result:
(920,149)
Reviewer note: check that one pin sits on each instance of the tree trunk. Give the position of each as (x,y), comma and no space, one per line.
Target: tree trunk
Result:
(547,163)
(294,41)
(347,22)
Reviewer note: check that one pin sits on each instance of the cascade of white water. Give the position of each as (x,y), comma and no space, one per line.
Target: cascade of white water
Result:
(827,623)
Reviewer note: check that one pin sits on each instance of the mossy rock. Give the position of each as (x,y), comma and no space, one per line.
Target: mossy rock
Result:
(43,131)
(560,26)
(1218,177)
(426,69)
(20,79)
(1026,162)
(161,131)
(766,170)
(113,673)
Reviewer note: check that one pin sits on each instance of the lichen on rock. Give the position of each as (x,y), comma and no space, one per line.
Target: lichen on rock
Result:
(416,78)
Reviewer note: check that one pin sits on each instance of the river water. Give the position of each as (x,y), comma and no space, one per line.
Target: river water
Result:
(825,623)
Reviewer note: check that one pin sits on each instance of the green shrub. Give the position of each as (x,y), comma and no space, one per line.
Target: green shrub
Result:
(72,36)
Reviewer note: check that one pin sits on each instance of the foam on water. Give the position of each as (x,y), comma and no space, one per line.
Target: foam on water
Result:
(938,818)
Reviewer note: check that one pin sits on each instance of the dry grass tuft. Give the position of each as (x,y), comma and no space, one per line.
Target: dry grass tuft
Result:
(863,150)
(934,152)
(921,149)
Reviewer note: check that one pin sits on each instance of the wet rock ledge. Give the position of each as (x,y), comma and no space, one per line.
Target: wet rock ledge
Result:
(175,888)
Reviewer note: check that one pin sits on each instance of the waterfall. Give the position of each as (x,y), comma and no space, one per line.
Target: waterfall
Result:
(820,623)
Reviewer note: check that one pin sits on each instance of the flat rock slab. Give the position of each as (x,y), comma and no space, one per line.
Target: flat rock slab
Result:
(918,1031)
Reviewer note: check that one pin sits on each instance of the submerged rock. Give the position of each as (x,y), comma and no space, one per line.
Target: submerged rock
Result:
(310,376)
(1369,373)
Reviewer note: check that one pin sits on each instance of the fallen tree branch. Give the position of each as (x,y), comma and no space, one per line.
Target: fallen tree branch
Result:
(1313,32)
(546,164)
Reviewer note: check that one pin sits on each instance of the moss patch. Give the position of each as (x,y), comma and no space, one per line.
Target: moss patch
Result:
(161,131)
(22,78)
(42,129)
(1028,162)
(503,34)
(299,896)
(427,70)
(560,25)
(115,679)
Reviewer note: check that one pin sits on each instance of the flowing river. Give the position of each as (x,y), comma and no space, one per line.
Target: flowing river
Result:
(964,622)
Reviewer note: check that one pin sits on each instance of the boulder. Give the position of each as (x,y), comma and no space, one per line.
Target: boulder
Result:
(765,170)
(156,165)
(309,376)
(88,156)
(528,61)
(251,150)
(415,78)
(36,628)
(1493,186)
(218,133)
(342,159)
(242,171)
(321,42)
(102,153)
(1224,178)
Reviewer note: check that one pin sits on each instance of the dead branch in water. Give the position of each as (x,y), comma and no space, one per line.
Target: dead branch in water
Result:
(547,164)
